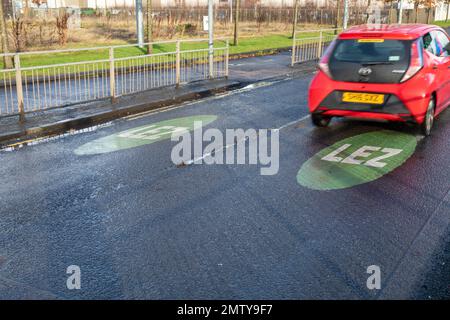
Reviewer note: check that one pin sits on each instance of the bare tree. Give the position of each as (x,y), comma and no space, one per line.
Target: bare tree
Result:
(18,30)
(7,61)
(428,4)
(294,23)
(149,25)
(416,9)
(62,26)
(448,10)
(338,15)
(236,22)
(391,10)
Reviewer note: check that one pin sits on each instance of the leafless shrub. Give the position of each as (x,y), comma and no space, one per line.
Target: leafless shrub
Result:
(172,23)
(62,27)
(17,30)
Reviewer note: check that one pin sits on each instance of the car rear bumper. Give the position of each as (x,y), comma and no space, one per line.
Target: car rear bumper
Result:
(392,109)
(406,102)
(367,115)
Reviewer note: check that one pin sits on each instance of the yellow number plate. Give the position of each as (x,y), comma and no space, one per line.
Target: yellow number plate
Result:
(357,97)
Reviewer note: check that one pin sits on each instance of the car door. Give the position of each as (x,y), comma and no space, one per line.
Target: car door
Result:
(433,64)
(440,41)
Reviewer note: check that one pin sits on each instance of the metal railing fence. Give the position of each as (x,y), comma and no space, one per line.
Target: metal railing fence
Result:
(34,88)
(311,48)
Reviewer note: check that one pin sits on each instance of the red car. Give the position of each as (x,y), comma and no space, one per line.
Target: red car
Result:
(388,72)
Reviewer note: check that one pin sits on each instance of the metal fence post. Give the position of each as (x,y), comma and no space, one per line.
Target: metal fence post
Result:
(319,49)
(227,57)
(293,50)
(112,74)
(211,63)
(19,88)
(211,37)
(178,64)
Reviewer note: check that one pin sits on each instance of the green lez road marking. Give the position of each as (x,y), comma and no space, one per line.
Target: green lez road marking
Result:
(142,135)
(356,160)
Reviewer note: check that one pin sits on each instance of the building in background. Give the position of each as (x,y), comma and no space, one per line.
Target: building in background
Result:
(102,4)
(442,11)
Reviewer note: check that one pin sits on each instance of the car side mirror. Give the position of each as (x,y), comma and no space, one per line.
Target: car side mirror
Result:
(447,47)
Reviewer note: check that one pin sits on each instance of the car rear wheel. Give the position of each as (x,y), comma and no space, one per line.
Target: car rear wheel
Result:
(320,121)
(428,122)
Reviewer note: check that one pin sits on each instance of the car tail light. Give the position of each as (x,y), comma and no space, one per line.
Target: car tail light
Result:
(323,62)
(416,62)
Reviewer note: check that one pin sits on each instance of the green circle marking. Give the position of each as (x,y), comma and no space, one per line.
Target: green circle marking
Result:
(142,135)
(356,160)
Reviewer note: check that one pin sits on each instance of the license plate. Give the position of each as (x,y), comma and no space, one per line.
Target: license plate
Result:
(358,97)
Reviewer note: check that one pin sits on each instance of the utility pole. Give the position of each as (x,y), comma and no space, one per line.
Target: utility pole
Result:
(344,25)
(211,37)
(236,23)
(139,23)
(400,12)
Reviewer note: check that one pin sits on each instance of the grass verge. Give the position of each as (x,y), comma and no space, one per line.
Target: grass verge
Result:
(442,24)
(246,44)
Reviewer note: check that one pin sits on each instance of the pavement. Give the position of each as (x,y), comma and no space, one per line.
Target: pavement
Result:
(83,115)
(140,226)
(56,120)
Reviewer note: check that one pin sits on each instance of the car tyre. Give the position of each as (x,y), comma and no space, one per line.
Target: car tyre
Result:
(320,121)
(428,122)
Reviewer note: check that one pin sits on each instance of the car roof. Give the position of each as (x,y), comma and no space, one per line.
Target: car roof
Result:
(388,31)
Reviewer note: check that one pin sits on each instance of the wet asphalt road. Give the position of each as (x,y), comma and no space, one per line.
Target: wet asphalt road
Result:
(140,227)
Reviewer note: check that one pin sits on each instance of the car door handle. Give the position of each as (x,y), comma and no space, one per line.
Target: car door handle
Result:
(435,66)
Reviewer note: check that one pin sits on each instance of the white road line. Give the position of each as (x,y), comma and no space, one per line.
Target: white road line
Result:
(242,140)
(292,122)
(149,113)
(206,155)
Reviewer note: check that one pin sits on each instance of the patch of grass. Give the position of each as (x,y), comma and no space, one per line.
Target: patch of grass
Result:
(443,24)
(261,43)
(246,44)
(269,42)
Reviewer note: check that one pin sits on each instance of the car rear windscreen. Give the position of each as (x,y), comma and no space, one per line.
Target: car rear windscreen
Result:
(387,60)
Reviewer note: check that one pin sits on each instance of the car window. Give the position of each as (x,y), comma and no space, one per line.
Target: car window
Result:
(429,43)
(387,59)
(366,51)
(441,41)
